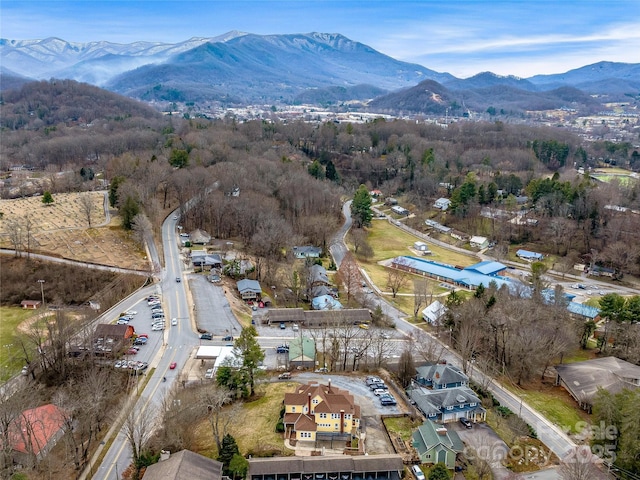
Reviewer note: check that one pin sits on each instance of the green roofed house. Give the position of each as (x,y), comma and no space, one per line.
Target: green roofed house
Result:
(434,444)
(302,353)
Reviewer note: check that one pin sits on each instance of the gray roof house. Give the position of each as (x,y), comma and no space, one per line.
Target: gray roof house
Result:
(307,251)
(434,444)
(184,464)
(199,237)
(318,276)
(434,313)
(438,377)
(249,289)
(448,405)
(582,379)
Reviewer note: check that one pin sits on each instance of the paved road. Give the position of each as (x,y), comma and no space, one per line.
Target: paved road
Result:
(548,433)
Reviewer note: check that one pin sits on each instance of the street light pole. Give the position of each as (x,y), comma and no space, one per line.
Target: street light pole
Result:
(41,282)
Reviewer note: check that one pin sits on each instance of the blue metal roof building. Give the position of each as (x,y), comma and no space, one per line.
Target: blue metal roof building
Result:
(584,310)
(529,256)
(469,277)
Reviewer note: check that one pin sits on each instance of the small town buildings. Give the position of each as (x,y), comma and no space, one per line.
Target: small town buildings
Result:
(35,432)
(583,311)
(249,289)
(325,302)
(442,204)
(30,304)
(448,404)
(397,209)
(199,237)
(440,376)
(315,411)
(184,464)
(436,444)
(437,226)
(110,339)
(302,353)
(529,256)
(434,313)
(479,242)
(343,467)
(583,379)
(307,252)
(317,318)
(421,247)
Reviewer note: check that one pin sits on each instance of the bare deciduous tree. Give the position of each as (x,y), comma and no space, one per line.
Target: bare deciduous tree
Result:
(396,279)
(86,206)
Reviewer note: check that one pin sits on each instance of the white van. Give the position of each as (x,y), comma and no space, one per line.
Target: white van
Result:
(295,327)
(417,471)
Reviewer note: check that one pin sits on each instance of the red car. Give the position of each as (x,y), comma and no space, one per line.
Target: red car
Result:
(132,351)
(172,365)
(145,335)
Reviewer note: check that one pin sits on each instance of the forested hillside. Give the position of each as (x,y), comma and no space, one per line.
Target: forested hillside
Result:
(280,184)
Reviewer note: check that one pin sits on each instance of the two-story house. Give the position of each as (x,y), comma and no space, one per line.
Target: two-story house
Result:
(448,404)
(315,411)
(439,376)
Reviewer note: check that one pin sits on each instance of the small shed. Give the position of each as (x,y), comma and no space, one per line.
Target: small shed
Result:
(421,247)
(442,203)
(302,353)
(30,304)
(479,242)
(397,209)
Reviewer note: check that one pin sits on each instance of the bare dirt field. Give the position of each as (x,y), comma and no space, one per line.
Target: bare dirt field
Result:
(62,230)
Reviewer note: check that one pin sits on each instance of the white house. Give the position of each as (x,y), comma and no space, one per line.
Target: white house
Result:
(434,313)
(399,210)
(421,247)
(479,242)
(442,203)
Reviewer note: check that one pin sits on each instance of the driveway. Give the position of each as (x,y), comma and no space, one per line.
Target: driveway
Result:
(482,441)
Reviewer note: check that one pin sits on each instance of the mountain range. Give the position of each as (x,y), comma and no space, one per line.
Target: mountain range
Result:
(243,68)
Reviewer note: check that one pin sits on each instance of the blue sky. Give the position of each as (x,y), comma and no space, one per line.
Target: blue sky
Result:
(520,38)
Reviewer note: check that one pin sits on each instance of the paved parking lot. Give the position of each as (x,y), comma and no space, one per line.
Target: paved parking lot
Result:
(212,310)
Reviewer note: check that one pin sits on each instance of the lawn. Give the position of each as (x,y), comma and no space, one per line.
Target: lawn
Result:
(11,354)
(402,426)
(388,242)
(254,429)
(553,402)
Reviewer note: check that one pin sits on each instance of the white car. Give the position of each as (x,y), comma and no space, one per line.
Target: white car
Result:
(157,328)
(174,322)
(131,312)
(209,373)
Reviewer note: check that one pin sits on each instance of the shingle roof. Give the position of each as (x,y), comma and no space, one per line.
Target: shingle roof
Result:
(246,285)
(442,374)
(43,423)
(609,373)
(342,463)
(427,437)
(185,464)
(333,399)
(434,401)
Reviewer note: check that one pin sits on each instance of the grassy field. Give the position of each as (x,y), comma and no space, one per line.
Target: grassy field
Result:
(258,434)
(402,426)
(12,358)
(388,242)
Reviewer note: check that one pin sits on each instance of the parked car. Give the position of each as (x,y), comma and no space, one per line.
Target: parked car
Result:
(131,312)
(123,321)
(295,327)
(379,391)
(284,376)
(156,328)
(209,373)
(466,422)
(282,326)
(178,279)
(172,365)
(206,336)
(228,338)
(282,349)
(322,370)
(132,351)
(387,400)
(417,472)
(364,326)
(140,341)
(143,335)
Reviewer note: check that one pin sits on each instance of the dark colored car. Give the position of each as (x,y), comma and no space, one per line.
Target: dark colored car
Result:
(282,349)
(228,338)
(282,326)
(206,336)
(466,422)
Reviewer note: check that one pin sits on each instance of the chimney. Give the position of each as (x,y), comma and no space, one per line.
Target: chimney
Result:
(329,388)
(164,455)
(309,404)
(341,421)
(442,431)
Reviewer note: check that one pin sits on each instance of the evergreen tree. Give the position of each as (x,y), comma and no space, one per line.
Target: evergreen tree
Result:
(128,211)
(47,198)
(113,190)
(315,170)
(361,207)
(239,466)
(331,173)
(439,472)
(228,450)
(247,348)
(179,158)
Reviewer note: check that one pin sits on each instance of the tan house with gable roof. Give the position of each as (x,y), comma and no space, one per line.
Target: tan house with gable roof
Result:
(315,411)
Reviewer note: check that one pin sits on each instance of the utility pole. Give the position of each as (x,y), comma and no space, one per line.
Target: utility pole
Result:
(41,282)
